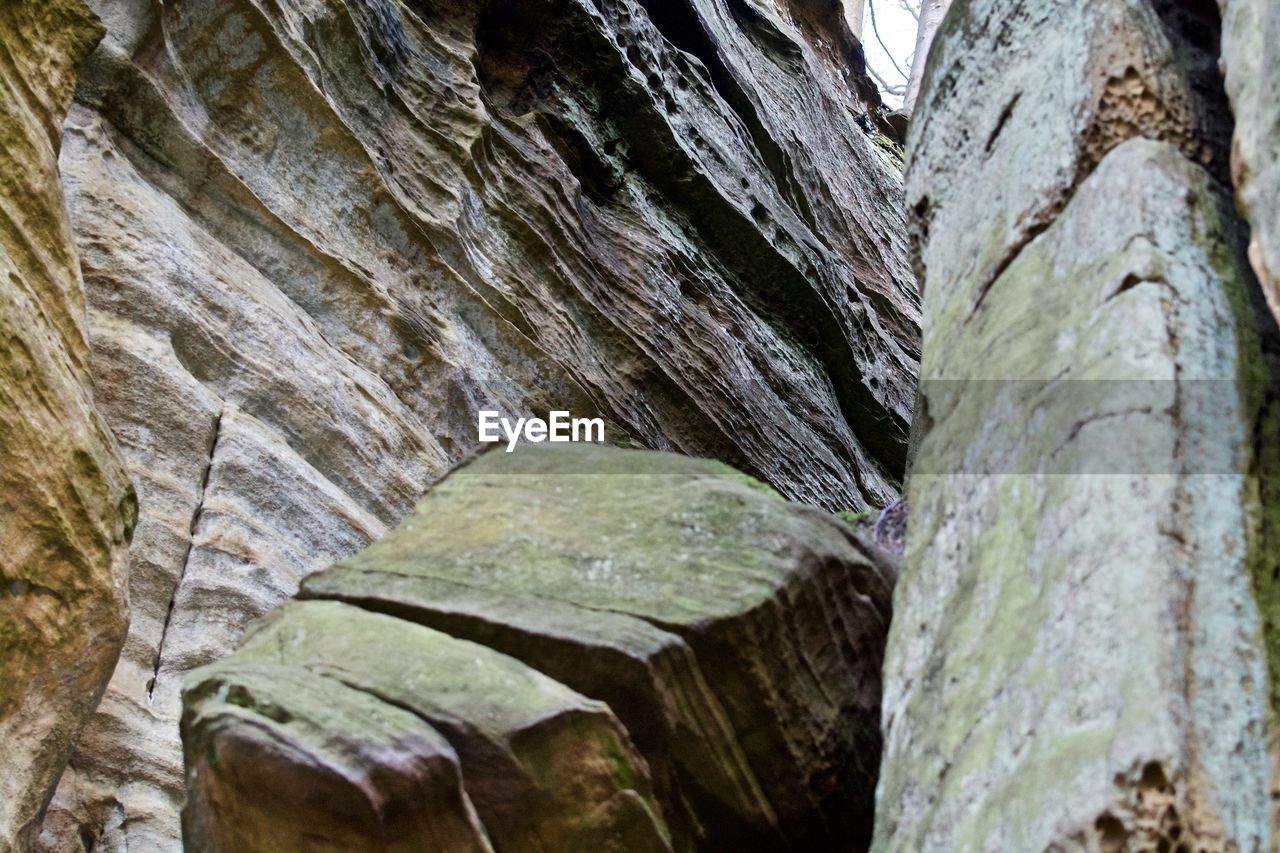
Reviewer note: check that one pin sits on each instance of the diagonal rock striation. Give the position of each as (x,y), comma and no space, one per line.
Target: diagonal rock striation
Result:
(319,237)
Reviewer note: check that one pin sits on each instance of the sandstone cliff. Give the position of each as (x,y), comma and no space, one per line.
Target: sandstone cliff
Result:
(284,251)
(318,237)
(66,506)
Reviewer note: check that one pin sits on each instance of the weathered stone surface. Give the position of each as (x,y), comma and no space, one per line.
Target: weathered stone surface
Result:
(1250,60)
(66,505)
(320,236)
(1075,657)
(1023,99)
(298,739)
(546,768)
(736,636)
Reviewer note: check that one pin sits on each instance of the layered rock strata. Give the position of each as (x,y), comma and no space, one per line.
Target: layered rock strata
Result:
(736,637)
(66,504)
(1076,658)
(319,237)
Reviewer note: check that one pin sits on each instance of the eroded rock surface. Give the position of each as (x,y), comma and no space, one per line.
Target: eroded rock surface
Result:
(1250,55)
(334,725)
(318,237)
(1043,116)
(1076,657)
(66,505)
(736,637)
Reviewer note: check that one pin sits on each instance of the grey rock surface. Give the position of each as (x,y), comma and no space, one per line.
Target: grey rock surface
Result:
(1077,659)
(318,237)
(1076,654)
(995,150)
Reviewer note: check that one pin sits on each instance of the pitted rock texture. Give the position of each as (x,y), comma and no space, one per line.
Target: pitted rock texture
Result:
(1076,658)
(318,237)
(737,637)
(1250,56)
(66,505)
(1044,115)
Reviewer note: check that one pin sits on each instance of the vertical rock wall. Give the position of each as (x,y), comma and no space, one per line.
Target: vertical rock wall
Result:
(1251,60)
(66,505)
(318,237)
(1075,660)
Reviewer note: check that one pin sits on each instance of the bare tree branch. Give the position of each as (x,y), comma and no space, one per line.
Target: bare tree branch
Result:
(871,7)
(888,88)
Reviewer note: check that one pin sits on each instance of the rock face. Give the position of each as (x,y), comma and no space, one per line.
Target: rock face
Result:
(319,237)
(1250,33)
(1076,657)
(1250,57)
(66,505)
(736,637)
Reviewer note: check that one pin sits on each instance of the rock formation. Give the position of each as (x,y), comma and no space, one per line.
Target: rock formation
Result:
(66,506)
(1076,658)
(528,600)
(318,237)
(1250,35)
(353,730)
(1250,57)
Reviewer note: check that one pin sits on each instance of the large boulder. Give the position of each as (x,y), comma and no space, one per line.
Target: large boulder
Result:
(66,505)
(737,637)
(338,726)
(1076,658)
(319,237)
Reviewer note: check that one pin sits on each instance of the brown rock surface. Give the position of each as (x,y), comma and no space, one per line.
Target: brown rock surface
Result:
(66,505)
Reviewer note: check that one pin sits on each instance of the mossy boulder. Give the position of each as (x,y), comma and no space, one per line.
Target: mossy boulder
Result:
(736,636)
